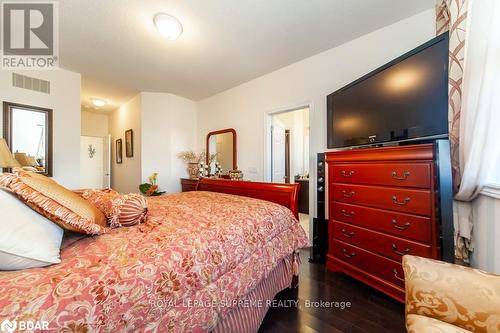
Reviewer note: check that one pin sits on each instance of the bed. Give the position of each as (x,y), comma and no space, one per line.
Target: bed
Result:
(205,261)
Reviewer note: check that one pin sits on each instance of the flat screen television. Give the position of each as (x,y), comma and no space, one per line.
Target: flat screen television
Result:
(404,100)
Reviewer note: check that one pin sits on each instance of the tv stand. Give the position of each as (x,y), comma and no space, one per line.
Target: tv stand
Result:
(387,202)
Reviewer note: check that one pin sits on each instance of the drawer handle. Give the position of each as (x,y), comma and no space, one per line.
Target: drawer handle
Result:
(347,174)
(395,249)
(348,234)
(405,175)
(395,271)
(348,255)
(347,214)
(401,203)
(400,227)
(348,194)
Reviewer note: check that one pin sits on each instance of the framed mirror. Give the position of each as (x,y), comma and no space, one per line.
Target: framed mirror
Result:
(223,144)
(28,132)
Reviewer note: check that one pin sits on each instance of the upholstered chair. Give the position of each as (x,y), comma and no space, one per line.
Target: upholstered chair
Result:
(442,297)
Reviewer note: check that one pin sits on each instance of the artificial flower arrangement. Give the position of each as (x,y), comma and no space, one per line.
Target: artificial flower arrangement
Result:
(196,164)
(151,189)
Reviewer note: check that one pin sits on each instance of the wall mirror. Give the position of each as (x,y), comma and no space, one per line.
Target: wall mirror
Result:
(223,144)
(28,132)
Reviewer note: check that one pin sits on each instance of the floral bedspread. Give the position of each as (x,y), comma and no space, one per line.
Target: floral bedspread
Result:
(197,254)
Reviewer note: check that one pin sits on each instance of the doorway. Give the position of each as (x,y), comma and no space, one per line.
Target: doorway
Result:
(95,162)
(288,153)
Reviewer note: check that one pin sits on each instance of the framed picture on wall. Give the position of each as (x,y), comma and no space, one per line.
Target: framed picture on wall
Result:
(119,154)
(129,143)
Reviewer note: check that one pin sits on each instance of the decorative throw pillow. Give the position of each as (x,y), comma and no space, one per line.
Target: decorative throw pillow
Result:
(29,169)
(120,210)
(57,203)
(23,172)
(27,239)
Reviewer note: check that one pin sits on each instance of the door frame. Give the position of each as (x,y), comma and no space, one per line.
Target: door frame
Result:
(287,156)
(268,117)
(268,122)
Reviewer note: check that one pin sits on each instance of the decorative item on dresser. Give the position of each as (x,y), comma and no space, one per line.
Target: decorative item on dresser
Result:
(189,184)
(383,204)
(195,163)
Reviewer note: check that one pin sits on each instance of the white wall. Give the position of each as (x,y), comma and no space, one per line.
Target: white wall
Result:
(95,124)
(168,127)
(164,125)
(486,233)
(306,82)
(126,177)
(64,100)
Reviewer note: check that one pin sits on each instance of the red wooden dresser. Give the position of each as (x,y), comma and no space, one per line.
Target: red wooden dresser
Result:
(381,205)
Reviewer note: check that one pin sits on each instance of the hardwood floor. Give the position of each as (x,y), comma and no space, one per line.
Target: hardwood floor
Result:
(370,310)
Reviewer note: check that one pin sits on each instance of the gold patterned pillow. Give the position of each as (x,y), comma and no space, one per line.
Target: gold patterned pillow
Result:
(23,172)
(55,202)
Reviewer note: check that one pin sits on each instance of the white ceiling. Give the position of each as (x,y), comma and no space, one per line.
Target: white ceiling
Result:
(114,44)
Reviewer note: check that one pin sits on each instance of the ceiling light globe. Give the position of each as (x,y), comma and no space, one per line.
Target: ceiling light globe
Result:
(98,102)
(168,26)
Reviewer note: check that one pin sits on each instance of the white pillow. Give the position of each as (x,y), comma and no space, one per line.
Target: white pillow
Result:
(27,239)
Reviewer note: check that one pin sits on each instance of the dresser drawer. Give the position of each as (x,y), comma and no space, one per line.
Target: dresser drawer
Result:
(374,241)
(397,224)
(402,200)
(372,263)
(189,184)
(390,174)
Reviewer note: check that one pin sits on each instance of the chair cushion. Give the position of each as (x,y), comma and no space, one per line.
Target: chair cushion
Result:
(422,324)
(461,296)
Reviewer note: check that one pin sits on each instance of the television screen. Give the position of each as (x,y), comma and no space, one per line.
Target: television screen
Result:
(403,100)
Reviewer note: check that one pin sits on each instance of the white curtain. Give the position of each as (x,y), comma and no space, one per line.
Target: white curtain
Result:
(480,117)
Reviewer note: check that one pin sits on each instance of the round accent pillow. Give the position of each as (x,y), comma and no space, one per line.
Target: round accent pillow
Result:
(120,210)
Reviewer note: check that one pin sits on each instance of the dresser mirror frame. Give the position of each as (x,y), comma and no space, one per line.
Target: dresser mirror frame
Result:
(223,131)
(8,109)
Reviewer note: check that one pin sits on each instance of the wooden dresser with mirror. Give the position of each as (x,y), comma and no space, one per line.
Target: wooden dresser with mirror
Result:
(222,151)
(221,157)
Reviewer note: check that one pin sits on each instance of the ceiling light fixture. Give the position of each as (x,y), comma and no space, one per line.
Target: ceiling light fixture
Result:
(98,102)
(168,26)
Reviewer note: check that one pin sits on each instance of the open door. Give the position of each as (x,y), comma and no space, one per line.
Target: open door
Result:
(278,166)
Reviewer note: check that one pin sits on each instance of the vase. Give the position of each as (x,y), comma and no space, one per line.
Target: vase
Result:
(192,170)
